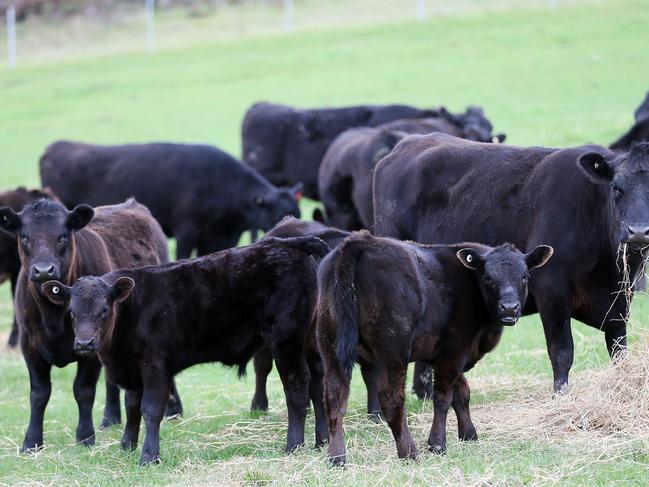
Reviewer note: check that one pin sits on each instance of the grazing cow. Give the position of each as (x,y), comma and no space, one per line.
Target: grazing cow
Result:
(345,177)
(286,144)
(590,204)
(639,132)
(15,199)
(221,307)
(55,243)
(198,193)
(393,302)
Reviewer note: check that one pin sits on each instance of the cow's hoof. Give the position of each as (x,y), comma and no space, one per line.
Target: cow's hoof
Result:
(259,406)
(110,420)
(30,448)
(128,445)
(437,449)
(149,459)
(561,388)
(470,435)
(338,460)
(292,447)
(174,409)
(375,417)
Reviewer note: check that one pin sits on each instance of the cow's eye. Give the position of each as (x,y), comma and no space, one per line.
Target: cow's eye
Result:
(619,192)
(488,281)
(63,238)
(526,277)
(259,200)
(103,312)
(23,238)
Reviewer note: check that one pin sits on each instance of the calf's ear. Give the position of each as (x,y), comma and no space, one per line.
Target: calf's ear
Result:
(538,256)
(10,220)
(499,138)
(122,289)
(56,292)
(596,168)
(79,217)
(470,258)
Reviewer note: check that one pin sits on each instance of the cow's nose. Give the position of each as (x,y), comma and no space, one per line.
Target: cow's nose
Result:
(511,308)
(637,234)
(81,344)
(43,271)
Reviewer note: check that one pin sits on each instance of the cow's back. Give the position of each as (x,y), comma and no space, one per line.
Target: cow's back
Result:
(133,237)
(441,189)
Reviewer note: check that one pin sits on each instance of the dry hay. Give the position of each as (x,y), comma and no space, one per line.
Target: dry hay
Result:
(610,404)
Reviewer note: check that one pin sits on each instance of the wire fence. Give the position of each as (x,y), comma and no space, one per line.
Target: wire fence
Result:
(40,38)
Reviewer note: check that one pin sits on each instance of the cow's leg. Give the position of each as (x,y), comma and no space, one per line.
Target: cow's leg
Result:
(174,404)
(154,402)
(371,376)
(294,374)
(616,341)
(84,387)
(133,403)
(186,241)
(13,337)
(112,409)
(422,381)
(393,405)
(336,394)
(445,375)
(555,311)
(316,393)
(461,398)
(40,390)
(263,362)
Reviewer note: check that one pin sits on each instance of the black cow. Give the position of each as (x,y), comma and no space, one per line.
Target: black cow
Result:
(286,144)
(393,302)
(590,204)
(15,199)
(221,307)
(345,176)
(55,243)
(263,361)
(639,132)
(199,194)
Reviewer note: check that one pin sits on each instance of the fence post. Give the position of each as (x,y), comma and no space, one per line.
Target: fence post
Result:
(289,15)
(11,37)
(149,6)
(421,10)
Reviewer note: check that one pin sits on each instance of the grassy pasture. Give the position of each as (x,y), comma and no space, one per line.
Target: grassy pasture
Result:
(562,77)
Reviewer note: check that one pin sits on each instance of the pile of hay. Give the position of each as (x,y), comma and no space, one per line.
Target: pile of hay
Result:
(611,402)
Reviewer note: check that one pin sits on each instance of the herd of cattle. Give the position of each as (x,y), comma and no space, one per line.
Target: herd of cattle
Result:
(432,235)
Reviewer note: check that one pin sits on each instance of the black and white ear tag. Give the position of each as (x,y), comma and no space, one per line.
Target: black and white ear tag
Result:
(56,290)
(469,258)
(596,165)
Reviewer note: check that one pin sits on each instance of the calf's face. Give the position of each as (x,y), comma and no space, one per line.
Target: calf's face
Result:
(44,230)
(503,274)
(92,304)
(271,207)
(627,183)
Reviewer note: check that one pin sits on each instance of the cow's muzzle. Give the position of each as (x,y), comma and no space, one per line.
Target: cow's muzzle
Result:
(509,312)
(637,235)
(85,346)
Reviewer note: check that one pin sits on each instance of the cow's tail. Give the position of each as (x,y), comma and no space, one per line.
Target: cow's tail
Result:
(310,244)
(345,300)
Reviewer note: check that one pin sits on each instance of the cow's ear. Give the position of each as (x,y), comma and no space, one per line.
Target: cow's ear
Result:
(538,256)
(79,217)
(122,289)
(499,138)
(297,190)
(56,292)
(10,220)
(596,168)
(318,215)
(389,140)
(470,258)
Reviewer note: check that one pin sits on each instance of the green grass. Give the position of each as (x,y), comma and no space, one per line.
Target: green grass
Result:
(562,77)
